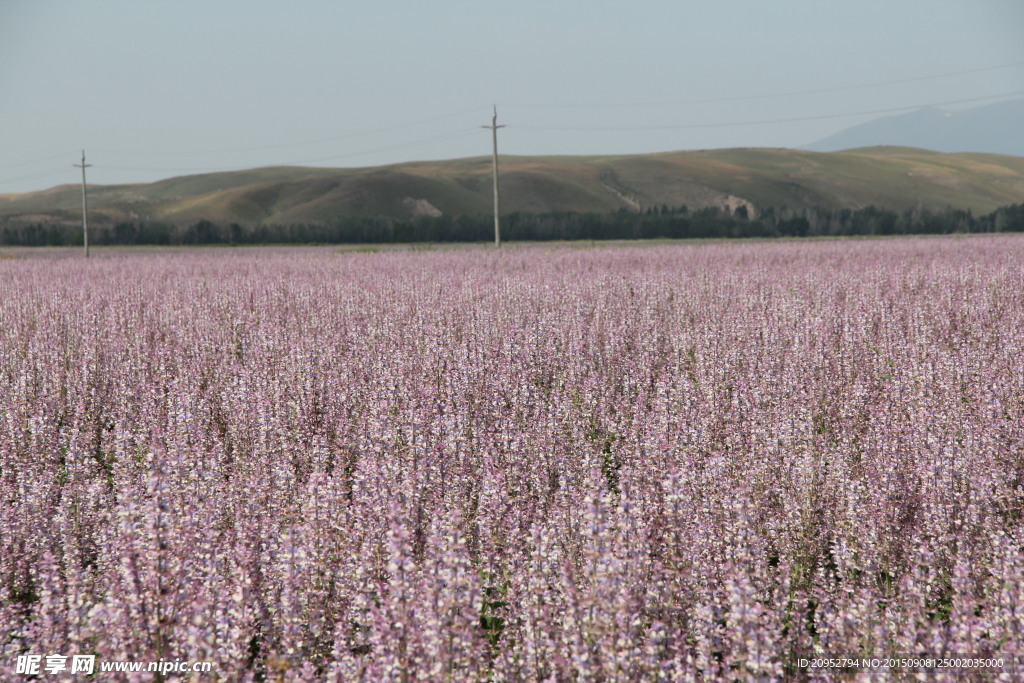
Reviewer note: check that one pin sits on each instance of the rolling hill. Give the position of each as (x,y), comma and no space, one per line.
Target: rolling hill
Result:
(887,177)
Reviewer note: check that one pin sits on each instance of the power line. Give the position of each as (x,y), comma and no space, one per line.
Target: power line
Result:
(62,155)
(257,148)
(406,145)
(466,132)
(416,143)
(471,131)
(299,162)
(41,174)
(793,119)
(767,96)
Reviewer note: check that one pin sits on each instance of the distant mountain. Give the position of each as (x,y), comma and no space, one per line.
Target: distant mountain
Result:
(895,178)
(995,129)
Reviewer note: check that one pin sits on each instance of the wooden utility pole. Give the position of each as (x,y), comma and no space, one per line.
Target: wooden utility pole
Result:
(85,206)
(494,132)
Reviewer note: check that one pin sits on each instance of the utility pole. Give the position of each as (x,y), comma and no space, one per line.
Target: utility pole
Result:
(85,206)
(494,132)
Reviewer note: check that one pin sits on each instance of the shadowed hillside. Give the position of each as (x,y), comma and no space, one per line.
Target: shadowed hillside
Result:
(892,178)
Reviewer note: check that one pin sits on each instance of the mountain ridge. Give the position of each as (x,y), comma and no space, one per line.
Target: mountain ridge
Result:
(993,128)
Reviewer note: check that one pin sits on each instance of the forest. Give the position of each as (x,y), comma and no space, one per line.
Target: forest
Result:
(652,223)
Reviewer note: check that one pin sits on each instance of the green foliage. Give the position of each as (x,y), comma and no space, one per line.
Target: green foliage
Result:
(494,605)
(655,223)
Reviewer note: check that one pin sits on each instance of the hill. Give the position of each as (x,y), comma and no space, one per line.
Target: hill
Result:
(994,128)
(885,177)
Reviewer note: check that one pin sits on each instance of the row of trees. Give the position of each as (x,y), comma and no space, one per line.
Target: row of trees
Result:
(655,222)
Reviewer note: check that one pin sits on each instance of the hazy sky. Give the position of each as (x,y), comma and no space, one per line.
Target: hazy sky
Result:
(157,89)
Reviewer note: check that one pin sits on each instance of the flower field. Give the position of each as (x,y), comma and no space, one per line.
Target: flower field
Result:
(622,463)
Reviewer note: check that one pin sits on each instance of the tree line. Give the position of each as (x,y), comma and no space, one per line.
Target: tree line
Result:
(655,222)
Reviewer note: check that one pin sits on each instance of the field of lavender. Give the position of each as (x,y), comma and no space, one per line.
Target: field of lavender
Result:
(620,463)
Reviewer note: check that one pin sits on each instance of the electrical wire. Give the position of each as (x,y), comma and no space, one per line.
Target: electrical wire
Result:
(761,122)
(62,155)
(466,132)
(256,148)
(41,174)
(767,96)
(299,162)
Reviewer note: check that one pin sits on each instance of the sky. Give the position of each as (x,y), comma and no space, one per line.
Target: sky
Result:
(152,89)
